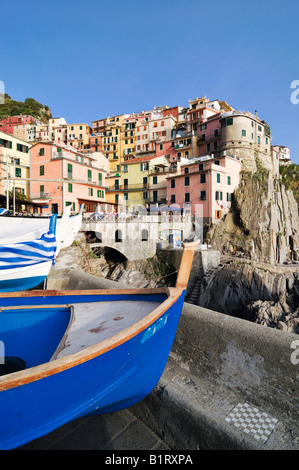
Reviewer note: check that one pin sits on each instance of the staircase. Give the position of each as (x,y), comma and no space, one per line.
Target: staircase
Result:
(194,294)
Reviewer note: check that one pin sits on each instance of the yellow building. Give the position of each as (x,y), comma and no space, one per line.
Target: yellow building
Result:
(14,169)
(78,135)
(112,142)
(136,181)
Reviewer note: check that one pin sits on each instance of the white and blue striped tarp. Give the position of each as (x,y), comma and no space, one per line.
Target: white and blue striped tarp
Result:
(23,254)
(27,253)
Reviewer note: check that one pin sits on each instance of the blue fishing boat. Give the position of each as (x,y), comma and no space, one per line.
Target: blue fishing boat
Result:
(68,354)
(25,265)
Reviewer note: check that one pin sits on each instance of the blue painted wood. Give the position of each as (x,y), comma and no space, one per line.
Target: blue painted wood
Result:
(19,284)
(109,382)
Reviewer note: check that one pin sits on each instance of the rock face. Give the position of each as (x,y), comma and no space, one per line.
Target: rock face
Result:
(263,224)
(266,296)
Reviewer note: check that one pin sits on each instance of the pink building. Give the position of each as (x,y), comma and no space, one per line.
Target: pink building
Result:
(61,176)
(208,132)
(7,124)
(207,184)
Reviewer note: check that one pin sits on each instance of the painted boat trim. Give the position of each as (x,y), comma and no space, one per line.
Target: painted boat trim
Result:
(58,365)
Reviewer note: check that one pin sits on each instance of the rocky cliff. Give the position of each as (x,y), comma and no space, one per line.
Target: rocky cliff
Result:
(259,240)
(253,291)
(263,224)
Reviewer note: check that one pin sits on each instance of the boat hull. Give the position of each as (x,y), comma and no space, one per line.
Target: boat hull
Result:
(115,379)
(27,277)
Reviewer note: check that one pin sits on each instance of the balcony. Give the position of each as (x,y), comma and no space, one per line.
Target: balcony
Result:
(41,195)
(134,187)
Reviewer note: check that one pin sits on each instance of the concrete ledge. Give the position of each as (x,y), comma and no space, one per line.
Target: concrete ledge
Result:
(217,364)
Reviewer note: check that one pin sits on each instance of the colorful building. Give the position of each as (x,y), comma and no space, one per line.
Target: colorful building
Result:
(7,124)
(62,176)
(78,135)
(206,184)
(208,135)
(282,154)
(14,171)
(136,179)
(25,132)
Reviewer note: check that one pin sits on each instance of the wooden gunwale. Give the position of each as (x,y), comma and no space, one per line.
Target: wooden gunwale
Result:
(58,365)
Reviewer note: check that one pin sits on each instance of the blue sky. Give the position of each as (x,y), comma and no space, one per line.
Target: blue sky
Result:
(90,59)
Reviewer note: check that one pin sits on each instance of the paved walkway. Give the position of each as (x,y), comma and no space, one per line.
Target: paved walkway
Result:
(115,431)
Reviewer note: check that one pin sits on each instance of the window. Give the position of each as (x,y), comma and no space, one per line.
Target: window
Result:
(200,167)
(243,133)
(89,175)
(218,195)
(218,177)
(100,179)
(41,190)
(187,197)
(90,191)
(172,183)
(125,170)
(144,235)
(229,180)
(258,139)
(187,180)
(18,172)
(143,166)
(230,121)
(172,198)
(203,178)
(267,140)
(208,147)
(259,128)
(218,214)
(186,170)
(70,188)
(118,236)
(41,152)
(155,179)
(41,170)
(161,146)
(203,195)
(69,170)
(145,195)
